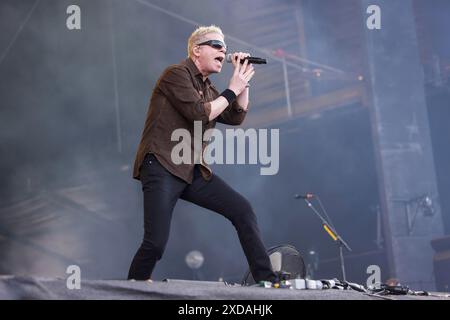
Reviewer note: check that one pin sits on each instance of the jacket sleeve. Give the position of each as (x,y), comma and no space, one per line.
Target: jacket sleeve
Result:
(176,84)
(233,115)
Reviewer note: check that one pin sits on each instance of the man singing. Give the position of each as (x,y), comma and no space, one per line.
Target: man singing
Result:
(184,94)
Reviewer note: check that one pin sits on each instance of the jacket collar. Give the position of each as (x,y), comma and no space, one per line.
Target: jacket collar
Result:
(194,70)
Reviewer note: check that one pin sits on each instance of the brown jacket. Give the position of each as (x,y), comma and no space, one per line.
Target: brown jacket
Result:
(179,98)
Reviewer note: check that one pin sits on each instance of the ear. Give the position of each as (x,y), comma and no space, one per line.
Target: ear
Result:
(196,51)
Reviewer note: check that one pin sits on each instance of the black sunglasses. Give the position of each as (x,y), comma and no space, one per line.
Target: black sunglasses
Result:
(216,44)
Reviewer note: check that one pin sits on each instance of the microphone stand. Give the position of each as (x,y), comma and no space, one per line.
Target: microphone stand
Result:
(333,234)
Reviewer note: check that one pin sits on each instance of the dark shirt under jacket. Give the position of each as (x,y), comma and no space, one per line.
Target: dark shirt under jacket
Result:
(179,98)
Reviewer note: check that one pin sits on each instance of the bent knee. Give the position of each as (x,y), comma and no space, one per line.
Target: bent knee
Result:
(245,214)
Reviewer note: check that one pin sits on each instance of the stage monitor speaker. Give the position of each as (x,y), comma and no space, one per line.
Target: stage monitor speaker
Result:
(286,262)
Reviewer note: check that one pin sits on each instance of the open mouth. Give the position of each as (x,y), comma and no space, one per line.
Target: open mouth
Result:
(220,59)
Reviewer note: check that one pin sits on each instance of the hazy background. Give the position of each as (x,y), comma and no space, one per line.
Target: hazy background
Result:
(73,105)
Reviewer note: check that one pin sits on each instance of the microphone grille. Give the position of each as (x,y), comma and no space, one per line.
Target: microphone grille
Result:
(228,57)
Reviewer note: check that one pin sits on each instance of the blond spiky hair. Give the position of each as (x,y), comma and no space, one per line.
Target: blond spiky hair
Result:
(197,36)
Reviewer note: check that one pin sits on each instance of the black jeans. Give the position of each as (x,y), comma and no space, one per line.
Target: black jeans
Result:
(161,192)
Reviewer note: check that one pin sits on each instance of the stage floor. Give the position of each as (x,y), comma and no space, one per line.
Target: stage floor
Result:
(19,287)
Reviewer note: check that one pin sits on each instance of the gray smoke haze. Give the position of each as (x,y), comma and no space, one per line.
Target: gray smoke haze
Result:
(73,105)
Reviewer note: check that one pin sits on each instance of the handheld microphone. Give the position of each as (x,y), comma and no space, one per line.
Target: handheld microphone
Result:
(253,60)
(306,196)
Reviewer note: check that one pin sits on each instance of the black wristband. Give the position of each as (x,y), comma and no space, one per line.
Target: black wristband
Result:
(229,95)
